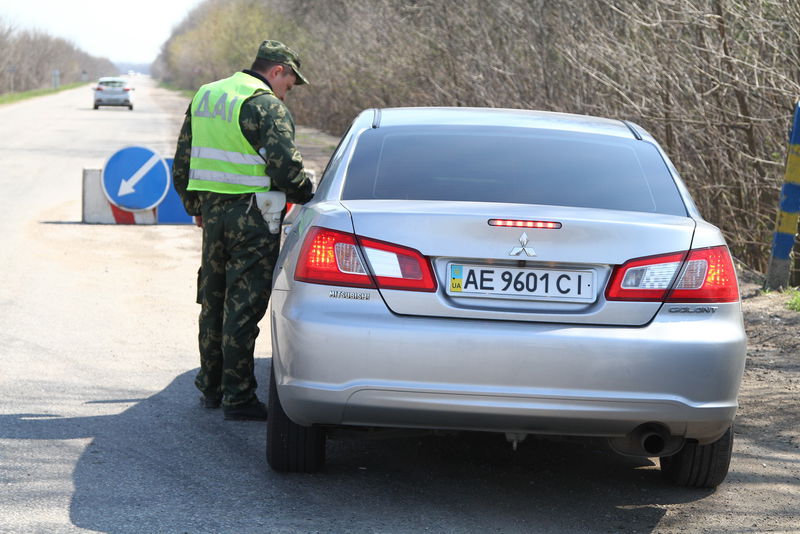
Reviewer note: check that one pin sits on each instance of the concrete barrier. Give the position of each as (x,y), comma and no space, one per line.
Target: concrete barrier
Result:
(97,209)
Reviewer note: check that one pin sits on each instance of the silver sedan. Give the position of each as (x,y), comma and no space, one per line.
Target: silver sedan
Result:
(112,91)
(505,271)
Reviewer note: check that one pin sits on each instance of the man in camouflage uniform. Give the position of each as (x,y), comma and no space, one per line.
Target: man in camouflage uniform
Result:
(217,173)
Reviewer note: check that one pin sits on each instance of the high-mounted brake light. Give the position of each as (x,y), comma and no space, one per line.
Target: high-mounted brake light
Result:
(702,275)
(515,223)
(337,258)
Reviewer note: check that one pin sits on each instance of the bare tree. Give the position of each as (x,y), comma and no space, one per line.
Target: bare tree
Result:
(713,80)
(30,57)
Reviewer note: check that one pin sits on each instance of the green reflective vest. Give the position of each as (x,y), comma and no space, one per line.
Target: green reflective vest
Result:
(223,161)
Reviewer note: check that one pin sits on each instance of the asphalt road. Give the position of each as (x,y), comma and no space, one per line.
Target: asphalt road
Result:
(101,431)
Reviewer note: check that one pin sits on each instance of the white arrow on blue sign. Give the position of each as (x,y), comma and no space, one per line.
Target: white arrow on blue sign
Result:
(135,178)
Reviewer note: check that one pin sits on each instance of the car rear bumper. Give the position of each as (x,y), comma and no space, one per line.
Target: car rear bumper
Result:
(113,101)
(347,361)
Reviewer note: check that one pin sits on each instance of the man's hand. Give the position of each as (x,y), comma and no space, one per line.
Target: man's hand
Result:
(198,221)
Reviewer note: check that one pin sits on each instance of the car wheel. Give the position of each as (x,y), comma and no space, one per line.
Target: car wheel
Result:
(699,466)
(291,448)
(130,107)
(96,106)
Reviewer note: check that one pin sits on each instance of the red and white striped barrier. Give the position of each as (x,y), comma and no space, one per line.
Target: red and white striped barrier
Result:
(98,210)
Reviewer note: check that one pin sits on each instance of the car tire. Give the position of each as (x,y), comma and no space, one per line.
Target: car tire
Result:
(130,107)
(96,106)
(699,466)
(291,448)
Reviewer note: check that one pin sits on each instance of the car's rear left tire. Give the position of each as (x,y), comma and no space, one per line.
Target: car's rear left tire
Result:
(699,466)
(291,448)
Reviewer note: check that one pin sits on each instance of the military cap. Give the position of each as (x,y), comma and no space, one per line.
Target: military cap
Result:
(280,53)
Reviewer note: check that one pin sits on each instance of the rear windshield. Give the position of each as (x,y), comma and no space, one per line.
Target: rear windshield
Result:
(113,83)
(511,165)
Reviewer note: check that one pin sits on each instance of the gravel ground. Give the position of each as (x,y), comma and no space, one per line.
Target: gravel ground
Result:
(762,491)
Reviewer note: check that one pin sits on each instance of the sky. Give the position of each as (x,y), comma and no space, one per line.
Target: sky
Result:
(123,31)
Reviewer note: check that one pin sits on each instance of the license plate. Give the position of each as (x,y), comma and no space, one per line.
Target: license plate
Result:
(522,283)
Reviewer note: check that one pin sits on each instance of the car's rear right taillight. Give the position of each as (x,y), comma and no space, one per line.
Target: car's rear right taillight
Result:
(644,279)
(337,258)
(706,275)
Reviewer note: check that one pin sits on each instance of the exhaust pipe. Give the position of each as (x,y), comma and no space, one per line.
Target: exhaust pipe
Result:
(649,439)
(652,442)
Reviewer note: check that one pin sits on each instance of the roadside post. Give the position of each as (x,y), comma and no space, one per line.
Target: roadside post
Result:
(780,263)
(12,71)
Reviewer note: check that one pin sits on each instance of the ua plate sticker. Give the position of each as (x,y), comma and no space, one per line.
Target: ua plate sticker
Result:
(456,272)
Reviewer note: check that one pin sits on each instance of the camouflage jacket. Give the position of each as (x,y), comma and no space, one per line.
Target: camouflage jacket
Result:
(266,122)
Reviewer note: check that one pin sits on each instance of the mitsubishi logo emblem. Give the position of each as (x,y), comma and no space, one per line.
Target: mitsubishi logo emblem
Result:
(523,240)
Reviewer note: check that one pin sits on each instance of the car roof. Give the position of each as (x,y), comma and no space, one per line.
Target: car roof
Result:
(545,120)
(112,79)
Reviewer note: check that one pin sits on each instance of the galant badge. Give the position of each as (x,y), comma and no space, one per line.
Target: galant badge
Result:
(523,240)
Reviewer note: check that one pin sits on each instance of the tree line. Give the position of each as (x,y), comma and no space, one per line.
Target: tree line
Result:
(29,57)
(715,81)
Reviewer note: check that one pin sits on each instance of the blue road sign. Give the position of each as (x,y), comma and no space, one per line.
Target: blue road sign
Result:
(135,179)
(171,210)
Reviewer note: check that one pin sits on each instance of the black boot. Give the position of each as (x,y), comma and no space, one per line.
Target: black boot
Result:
(254,410)
(211,402)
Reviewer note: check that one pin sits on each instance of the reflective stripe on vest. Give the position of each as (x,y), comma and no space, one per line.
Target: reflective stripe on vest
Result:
(222,160)
(224,155)
(228,178)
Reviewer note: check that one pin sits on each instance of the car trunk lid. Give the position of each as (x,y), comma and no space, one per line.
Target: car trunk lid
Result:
(539,273)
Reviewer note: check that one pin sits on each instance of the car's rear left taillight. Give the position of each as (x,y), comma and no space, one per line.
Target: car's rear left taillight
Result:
(331,257)
(398,267)
(337,258)
(706,275)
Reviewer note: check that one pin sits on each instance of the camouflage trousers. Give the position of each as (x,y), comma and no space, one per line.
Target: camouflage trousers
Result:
(234,286)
